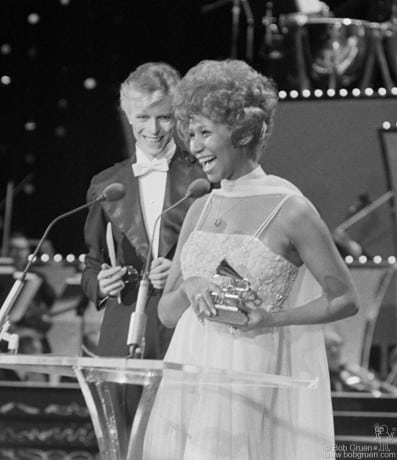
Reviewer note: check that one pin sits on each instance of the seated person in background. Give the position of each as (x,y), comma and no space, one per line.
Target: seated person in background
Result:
(34,325)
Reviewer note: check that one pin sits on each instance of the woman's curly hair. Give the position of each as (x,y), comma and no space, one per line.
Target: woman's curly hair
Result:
(229,92)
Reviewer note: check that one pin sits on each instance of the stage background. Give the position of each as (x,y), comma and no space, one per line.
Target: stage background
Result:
(331,150)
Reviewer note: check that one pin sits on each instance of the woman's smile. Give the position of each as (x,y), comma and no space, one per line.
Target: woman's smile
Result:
(211,144)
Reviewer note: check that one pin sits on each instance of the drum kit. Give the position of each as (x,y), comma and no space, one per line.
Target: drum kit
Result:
(332,53)
(318,51)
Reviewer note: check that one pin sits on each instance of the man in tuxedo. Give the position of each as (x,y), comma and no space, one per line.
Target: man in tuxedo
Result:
(155,176)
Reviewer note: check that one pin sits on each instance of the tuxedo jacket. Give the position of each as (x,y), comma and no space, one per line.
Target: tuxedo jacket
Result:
(131,245)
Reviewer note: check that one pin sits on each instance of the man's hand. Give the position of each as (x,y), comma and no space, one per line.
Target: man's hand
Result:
(159,271)
(110,280)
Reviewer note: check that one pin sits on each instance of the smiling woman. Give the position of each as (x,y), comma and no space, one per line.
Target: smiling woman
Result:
(264,230)
(245,104)
(211,143)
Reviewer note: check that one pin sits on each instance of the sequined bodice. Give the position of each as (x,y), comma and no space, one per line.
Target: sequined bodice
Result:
(270,274)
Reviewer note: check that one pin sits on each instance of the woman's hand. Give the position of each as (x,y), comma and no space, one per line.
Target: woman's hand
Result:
(110,280)
(258,318)
(197,289)
(159,271)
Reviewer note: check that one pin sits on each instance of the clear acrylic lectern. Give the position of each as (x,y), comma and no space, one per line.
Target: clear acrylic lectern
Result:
(96,375)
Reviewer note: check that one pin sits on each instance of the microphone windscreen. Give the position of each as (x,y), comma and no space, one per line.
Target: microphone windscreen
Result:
(114,192)
(198,187)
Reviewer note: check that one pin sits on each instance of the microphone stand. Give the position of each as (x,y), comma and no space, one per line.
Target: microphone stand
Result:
(19,283)
(7,203)
(7,218)
(364,211)
(339,232)
(136,331)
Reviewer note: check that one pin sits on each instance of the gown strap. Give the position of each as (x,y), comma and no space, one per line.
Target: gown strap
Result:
(271,216)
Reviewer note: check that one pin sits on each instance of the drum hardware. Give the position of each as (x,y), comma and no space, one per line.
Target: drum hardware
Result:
(336,52)
(379,33)
(359,379)
(390,43)
(237,5)
(272,44)
(392,377)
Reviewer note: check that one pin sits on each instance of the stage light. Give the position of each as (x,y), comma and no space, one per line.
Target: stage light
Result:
(293,94)
(382,91)
(394,91)
(356,92)
(343,92)
(369,91)
(89,83)
(386,125)
(62,103)
(64,2)
(33,18)
(60,131)
(318,93)
(349,260)
(330,92)
(30,126)
(32,52)
(70,258)
(5,80)
(29,158)
(45,258)
(58,258)
(391,260)
(346,21)
(82,258)
(306,93)
(5,49)
(363,259)
(377,259)
(282,94)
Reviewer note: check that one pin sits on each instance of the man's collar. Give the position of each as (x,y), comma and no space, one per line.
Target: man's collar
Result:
(167,153)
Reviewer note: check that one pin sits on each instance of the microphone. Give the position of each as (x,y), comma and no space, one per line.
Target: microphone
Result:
(112,192)
(136,331)
(197,188)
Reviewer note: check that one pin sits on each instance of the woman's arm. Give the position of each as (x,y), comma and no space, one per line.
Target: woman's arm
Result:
(311,239)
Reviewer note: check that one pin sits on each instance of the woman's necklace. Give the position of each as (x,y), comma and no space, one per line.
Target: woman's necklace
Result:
(219,222)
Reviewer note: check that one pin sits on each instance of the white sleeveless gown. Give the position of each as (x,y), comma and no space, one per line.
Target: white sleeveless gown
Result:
(210,422)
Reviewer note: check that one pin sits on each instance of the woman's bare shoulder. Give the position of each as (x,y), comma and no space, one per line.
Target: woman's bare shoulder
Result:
(298,207)
(299,215)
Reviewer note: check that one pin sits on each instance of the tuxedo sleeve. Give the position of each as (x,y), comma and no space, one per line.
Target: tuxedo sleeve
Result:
(95,238)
